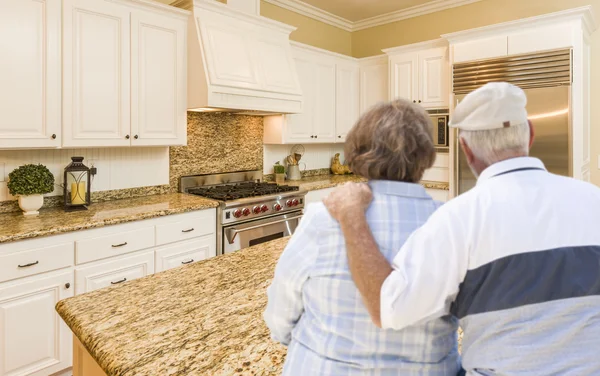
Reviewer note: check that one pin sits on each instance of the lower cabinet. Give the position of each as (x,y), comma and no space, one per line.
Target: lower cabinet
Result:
(439,194)
(33,338)
(317,196)
(113,272)
(186,252)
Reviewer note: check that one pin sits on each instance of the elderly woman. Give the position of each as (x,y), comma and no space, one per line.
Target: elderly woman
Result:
(314,306)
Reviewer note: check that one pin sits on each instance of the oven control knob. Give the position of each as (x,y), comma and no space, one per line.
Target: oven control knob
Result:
(237,213)
(264,208)
(277,207)
(289,203)
(246,212)
(295,202)
(256,210)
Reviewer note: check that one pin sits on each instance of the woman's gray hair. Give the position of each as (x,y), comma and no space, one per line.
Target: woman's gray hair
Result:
(490,146)
(392,141)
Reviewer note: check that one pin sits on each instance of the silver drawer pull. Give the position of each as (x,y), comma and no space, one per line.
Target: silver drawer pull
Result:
(188,230)
(119,245)
(28,265)
(187,262)
(119,281)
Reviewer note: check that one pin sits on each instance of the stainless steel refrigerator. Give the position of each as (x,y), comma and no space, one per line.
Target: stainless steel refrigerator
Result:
(546,81)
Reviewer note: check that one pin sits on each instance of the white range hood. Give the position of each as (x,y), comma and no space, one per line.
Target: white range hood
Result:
(240,62)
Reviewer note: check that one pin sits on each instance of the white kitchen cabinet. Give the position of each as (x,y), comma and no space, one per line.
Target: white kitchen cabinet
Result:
(34,340)
(374,82)
(118,270)
(438,194)
(404,77)
(96,82)
(420,73)
(124,75)
(481,48)
(184,253)
(317,121)
(158,81)
(317,195)
(346,98)
(30,73)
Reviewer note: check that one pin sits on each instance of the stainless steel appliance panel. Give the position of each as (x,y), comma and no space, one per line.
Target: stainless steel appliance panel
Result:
(243,235)
(549,111)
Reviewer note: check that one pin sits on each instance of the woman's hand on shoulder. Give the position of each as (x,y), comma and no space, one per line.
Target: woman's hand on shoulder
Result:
(348,201)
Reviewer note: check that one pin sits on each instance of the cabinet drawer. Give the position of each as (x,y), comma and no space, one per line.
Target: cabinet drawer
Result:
(186,227)
(41,260)
(114,272)
(102,247)
(186,252)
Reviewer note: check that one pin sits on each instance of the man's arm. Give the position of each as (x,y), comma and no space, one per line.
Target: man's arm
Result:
(284,306)
(425,274)
(368,267)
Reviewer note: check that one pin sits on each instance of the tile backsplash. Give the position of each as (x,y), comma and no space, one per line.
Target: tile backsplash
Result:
(218,143)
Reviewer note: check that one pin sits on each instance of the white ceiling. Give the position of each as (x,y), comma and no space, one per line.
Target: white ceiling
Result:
(357,10)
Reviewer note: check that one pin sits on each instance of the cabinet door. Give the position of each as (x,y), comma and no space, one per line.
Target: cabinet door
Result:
(158,80)
(299,127)
(114,272)
(347,100)
(404,76)
(186,252)
(30,73)
(434,78)
(96,90)
(373,86)
(324,125)
(33,338)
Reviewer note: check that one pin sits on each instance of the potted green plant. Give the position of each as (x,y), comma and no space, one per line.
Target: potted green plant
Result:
(279,171)
(29,182)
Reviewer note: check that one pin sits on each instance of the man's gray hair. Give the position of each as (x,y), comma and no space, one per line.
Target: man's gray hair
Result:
(491,146)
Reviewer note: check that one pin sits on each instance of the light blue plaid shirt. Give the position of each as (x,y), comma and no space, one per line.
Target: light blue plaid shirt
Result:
(315,308)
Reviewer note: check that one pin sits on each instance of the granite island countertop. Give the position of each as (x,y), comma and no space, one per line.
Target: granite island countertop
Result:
(313,183)
(15,226)
(200,319)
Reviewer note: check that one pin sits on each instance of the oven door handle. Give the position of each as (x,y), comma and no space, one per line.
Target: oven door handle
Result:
(231,233)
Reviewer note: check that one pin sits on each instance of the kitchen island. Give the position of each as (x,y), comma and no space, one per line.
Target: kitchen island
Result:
(200,319)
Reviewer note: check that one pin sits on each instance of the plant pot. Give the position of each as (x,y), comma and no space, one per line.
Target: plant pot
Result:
(279,178)
(30,204)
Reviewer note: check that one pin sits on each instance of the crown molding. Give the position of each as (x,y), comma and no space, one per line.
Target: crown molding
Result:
(416,11)
(313,12)
(583,14)
(300,7)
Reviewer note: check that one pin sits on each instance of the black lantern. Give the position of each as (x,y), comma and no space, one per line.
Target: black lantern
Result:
(77,185)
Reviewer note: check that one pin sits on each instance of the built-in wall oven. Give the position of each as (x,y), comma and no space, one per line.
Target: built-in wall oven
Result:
(439,119)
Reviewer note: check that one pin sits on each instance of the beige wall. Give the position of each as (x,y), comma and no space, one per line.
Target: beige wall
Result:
(369,42)
(310,31)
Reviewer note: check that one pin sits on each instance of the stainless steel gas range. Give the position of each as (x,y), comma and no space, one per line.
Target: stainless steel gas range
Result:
(250,210)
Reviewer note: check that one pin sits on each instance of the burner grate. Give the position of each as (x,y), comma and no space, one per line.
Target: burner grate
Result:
(230,192)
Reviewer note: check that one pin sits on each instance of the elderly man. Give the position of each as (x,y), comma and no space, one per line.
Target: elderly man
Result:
(516,259)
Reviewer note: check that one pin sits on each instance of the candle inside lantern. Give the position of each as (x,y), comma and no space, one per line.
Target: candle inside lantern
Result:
(78,193)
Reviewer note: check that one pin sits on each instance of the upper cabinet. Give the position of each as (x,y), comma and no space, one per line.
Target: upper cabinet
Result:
(124,75)
(374,82)
(123,81)
(30,66)
(330,85)
(420,73)
(347,106)
(96,91)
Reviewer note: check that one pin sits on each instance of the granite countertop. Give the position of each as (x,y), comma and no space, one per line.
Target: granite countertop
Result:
(200,319)
(15,226)
(314,183)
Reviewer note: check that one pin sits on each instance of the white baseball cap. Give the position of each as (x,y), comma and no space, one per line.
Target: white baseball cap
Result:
(495,105)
